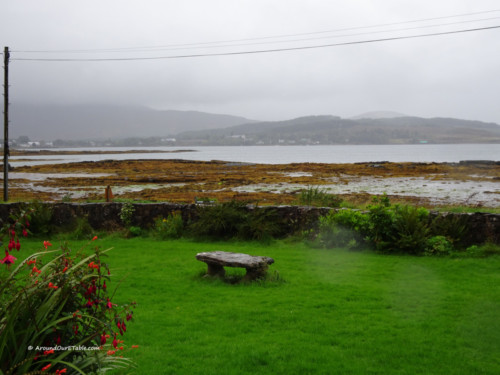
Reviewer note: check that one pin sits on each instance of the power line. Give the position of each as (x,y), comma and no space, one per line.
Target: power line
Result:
(260,51)
(214,44)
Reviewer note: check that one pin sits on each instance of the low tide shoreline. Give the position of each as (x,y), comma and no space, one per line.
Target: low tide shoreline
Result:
(473,183)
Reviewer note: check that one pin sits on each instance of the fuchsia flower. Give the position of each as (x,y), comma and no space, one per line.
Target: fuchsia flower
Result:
(46,244)
(8,260)
(18,245)
(52,286)
(103,338)
(63,371)
(110,305)
(95,238)
(25,233)
(115,342)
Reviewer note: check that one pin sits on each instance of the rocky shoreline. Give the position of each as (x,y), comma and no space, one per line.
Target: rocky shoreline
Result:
(471,183)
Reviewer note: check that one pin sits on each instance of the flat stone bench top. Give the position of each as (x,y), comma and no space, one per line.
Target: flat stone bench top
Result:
(228,259)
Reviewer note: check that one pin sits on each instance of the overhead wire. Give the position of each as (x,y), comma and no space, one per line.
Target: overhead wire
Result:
(216,44)
(233,53)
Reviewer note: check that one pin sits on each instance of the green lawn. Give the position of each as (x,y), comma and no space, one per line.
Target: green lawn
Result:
(326,312)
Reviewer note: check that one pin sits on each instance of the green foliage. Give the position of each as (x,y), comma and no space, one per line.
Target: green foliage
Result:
(219,221)
(83,230)
(135,231)
(438,245)
(260,224)
(410,229)
(482,251)
(392,229)
(127,213)
(170,227)
(314,196)
(453,227)
(343,228)
(56,312)
(41,218)
(234,220)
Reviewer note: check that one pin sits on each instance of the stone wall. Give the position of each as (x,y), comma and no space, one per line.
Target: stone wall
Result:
(106,216)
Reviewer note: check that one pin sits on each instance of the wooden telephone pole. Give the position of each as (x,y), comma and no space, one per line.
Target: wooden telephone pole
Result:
(6,56)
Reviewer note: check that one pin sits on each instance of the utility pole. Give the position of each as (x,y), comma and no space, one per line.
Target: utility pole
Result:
(6,56)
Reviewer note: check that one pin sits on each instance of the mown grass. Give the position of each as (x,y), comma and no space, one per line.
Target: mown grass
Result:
(322,312)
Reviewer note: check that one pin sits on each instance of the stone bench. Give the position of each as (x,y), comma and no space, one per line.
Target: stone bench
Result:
(256,266)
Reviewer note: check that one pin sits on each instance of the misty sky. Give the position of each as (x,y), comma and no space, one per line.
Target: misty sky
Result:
(455,75)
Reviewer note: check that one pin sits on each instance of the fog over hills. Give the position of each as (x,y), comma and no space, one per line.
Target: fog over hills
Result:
(105,122)
(89,121)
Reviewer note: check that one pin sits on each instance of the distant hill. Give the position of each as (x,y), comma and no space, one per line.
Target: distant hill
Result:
(336,130)
(379,115)
(105,121)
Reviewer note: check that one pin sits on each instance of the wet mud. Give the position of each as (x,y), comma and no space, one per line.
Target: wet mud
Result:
(429,184)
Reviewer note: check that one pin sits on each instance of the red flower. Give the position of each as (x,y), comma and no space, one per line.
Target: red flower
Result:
(115,342)
(95,238)
(104,285)
(35,270)
(31,261)
(46,244)
(103,338)
(8,260)
(111,352)
(109,304)
(13,233)
(129,316)
(18,245)
(135,346)
(65,269)
(89,303)
(63,371)
(52,286)
(25,233)
(46,367)
(12,244)
(47,352)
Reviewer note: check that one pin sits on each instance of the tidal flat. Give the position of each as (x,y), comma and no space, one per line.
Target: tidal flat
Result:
(472,183)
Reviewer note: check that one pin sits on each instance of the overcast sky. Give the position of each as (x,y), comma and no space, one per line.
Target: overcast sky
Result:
(454,75)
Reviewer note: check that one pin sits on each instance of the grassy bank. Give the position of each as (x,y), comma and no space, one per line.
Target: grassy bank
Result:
(322,311)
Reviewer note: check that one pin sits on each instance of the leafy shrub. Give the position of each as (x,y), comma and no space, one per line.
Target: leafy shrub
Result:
(453,227)
(483,251)
(40,218)
(438,245)
(343,228)
(219,221)
(314,196)
(57,313)
(83,230)
(126,213)
(170,227)
(410,229)
(260,224)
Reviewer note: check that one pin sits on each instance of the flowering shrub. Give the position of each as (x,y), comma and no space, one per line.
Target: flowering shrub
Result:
(170,227)
(57,314)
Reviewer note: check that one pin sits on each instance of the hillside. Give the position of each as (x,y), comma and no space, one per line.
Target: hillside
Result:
(88,121)
(336,130)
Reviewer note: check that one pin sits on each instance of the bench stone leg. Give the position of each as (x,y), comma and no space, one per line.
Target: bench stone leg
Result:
(215,270)
(255,273)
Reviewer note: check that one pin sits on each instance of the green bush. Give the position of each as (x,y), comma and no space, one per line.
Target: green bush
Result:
(57,313)
(260,224)
(219,221)
(170,227)
(343,228)
(127,213)
(438,245)
(40,218)
(410,230)
(314,196)
(235,220)
(83,230)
